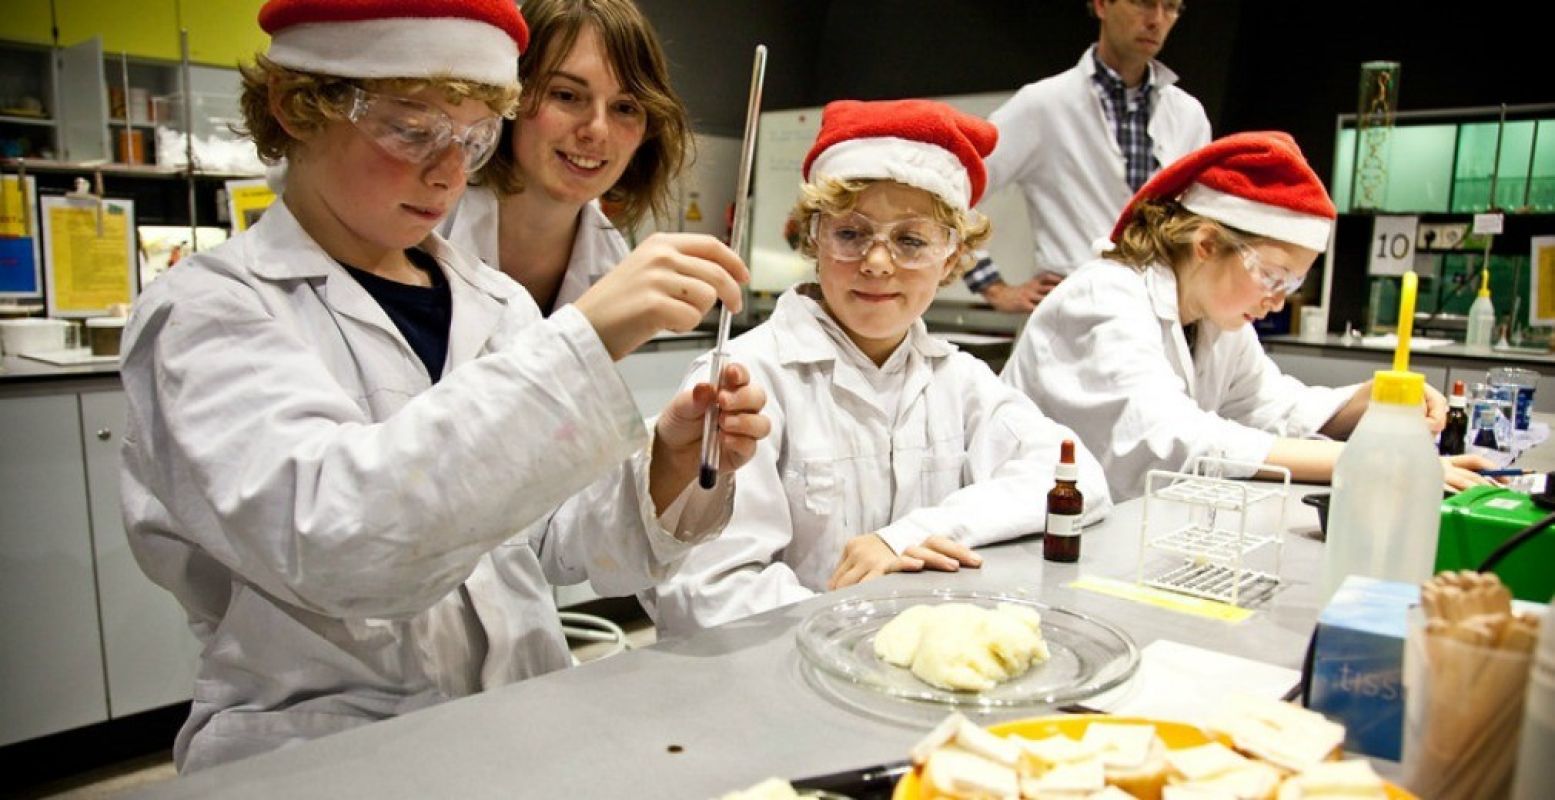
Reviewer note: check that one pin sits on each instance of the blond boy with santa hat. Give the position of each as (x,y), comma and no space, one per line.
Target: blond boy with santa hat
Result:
(890,449)
(360,458)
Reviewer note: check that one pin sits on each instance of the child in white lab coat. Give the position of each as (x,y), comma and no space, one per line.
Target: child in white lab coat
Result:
(1149,352)
(890,450)
(359,457)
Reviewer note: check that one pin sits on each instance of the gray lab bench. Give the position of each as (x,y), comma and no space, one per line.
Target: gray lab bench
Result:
(1338,361)
(733,700)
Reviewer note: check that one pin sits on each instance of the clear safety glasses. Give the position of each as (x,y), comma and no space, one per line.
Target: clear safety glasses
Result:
(914,243)
(1282,283)
(416,132)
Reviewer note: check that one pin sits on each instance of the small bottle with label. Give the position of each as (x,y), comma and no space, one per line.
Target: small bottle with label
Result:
(1061,541)
(1456,432)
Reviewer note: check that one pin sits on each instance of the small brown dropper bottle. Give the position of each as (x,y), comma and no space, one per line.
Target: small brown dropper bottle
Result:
(1456,432)
(1061,542)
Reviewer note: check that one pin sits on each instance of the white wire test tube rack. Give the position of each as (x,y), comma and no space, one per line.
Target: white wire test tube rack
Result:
(1215,542)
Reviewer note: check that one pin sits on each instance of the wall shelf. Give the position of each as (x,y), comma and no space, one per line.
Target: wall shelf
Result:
(19,120)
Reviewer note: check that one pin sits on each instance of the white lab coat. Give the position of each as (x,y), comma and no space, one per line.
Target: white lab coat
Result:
(596,247)
(965,457)
(1056,144)
(350,541)
(1105,354)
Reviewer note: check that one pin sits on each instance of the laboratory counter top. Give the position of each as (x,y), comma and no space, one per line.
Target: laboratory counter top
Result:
(17,370)
(1336,344)
(723,709)
(20,372)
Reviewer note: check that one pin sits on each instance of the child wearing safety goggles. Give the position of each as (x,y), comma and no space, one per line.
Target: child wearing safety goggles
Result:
(1149,351)
(359,457)
(890,450)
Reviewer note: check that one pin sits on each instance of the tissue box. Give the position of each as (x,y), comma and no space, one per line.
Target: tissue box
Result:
(1357,663)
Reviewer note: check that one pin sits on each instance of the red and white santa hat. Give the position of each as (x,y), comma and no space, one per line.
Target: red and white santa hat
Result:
(473,40)
(1254,182)
(921,143)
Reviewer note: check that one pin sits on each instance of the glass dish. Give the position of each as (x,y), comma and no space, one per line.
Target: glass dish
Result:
(1088,656)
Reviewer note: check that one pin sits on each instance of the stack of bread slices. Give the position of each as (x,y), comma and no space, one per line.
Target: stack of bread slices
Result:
(1278,752)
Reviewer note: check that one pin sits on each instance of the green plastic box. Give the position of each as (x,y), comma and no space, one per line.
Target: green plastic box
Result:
(1476,521)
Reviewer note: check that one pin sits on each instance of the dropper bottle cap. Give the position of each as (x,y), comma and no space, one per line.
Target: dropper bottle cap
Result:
(1066,470)
(1457,400)
(1484,282)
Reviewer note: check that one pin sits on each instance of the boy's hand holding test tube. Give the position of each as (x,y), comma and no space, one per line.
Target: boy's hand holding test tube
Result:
(677,441)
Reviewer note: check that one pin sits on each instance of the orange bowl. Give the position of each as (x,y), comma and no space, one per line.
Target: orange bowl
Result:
(1175,735)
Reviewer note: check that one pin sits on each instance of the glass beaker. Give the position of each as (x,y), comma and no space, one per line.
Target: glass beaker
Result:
(1491,411)
(1525,381)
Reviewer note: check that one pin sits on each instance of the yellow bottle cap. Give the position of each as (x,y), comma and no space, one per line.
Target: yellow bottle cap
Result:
(1484,282)
(1399,388)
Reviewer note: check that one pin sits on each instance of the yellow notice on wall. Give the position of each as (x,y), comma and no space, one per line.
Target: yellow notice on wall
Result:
(1542,286)
(247,201)
(15,207)
(88,255)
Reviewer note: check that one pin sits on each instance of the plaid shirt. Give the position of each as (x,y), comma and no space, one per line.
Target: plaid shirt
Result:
(1131,122)
(1132,130)
(984,273)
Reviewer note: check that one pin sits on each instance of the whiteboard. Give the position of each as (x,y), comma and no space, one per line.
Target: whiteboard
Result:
(781,144)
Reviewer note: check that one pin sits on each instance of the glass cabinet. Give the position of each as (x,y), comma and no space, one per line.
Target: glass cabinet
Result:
(1446,161)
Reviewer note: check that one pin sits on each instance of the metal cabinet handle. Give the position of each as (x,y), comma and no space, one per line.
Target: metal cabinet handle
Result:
(103,434)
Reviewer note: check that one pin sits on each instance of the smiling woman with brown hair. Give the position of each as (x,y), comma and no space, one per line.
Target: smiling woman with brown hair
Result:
(598,121)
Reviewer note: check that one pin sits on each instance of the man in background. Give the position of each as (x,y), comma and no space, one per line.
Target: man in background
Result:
(1080,143)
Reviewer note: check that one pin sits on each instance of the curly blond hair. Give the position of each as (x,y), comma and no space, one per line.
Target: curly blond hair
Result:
(308,101)
(834,196)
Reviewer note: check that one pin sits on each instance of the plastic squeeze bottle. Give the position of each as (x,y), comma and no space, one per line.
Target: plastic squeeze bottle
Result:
(1387,498)
(1535,774)
(1482,317)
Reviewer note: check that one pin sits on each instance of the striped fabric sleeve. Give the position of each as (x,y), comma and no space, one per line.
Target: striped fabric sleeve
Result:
(983,274)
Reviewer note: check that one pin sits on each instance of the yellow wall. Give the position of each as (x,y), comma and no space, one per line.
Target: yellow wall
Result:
(145,28)
(27,21)
(221,32)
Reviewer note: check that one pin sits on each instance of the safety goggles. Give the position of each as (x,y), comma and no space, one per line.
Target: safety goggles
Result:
(416,132)
(1273,283)
(914,243)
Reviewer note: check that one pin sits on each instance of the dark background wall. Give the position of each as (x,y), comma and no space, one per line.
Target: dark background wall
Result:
(1254,65)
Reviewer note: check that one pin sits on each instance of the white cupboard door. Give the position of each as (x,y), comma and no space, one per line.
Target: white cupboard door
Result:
(51,665)
(150,651)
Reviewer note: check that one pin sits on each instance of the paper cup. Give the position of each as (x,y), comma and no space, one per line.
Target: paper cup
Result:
(103,334)
(1463,708)
(1314,324)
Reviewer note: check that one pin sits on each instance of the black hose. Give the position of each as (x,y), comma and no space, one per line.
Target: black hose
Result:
(1517,540)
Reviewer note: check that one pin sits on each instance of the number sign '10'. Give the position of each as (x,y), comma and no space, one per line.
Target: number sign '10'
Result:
(1392,245)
